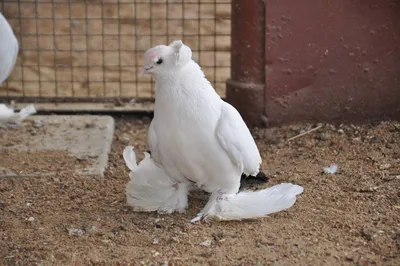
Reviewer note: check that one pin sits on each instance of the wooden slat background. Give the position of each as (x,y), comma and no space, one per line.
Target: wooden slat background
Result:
(95,48)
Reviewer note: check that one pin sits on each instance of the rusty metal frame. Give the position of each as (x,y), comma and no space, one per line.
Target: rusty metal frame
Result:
(246,87)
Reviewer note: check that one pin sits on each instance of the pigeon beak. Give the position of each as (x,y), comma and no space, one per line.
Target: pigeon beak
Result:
(142,72)
(145,71)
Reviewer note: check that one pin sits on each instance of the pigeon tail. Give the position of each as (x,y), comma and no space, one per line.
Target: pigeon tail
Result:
(150,188)
(252,204)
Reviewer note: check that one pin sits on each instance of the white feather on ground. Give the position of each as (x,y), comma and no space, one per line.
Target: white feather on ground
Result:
(150,188)
(7,115)
(331,169)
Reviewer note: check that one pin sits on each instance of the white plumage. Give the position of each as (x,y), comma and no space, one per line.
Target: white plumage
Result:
(8,49)
(8,56)
(254,204)
(331,169)
(7,115)
(6,112)
(150,188)
(196,137)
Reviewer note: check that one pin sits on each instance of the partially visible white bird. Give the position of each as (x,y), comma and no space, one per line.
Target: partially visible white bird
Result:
(8,56)
(196,137)
(8,49)
(7,115)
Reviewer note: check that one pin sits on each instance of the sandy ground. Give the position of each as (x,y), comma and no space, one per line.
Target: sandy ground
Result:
(348,218)
(93,49)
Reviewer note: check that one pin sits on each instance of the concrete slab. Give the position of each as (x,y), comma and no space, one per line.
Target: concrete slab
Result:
(85,138)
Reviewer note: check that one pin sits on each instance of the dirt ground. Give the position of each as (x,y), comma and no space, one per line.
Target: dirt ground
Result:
(348,218)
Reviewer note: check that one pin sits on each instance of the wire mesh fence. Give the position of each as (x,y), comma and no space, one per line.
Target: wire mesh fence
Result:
(94,48)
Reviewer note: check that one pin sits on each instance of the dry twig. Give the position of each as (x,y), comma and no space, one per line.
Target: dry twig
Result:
(304,133)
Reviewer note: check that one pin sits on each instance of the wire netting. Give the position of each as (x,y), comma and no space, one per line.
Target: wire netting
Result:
(94,48)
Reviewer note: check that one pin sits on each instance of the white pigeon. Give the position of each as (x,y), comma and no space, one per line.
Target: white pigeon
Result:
(196,137)
(8,49)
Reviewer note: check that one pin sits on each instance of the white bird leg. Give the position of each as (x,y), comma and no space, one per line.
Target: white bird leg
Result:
(178,202)
(181,201)
(209,208)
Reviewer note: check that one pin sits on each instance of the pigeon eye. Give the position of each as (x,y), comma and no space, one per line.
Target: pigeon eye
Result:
(159,61)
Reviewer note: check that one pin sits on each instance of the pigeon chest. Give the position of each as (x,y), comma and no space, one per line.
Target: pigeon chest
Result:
(186,142)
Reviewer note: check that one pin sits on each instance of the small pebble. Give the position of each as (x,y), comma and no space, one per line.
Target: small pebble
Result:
(81,158)
(31,219)
(377,140)
(369,189)
(125,139)
(219,237)
(272,141)
(75,232)
(331,127)
(175,239)
(90,228)
(38,123)
(385,166)
(117,229)
(206,243)
(322,137)
(396,127)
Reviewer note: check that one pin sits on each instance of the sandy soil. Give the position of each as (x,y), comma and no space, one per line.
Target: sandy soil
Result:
(96,49)
(348,218)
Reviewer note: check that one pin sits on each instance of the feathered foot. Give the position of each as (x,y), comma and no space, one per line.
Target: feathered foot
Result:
(150,188)
(209,208)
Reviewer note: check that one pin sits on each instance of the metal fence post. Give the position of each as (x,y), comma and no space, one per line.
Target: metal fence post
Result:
(245,88)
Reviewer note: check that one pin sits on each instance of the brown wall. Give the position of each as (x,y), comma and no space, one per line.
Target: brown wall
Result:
(332,60)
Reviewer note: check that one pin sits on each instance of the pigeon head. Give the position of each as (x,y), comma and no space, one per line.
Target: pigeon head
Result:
(163,59)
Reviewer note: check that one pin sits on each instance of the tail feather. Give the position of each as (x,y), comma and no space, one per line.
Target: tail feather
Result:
(255,204)
(130,158)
